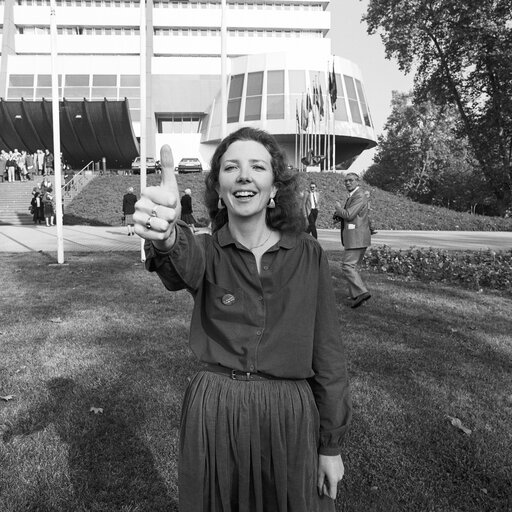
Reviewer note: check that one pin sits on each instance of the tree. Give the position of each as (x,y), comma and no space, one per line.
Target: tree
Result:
(423,157)
(461,53)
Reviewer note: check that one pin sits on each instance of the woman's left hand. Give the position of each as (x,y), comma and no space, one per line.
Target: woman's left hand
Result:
(330,472)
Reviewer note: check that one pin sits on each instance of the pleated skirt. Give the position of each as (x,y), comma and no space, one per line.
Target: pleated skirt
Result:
(249,447)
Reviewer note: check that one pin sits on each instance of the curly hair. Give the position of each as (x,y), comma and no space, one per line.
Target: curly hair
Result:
(287,215)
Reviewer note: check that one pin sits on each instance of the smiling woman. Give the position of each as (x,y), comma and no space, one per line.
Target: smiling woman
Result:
(264,323)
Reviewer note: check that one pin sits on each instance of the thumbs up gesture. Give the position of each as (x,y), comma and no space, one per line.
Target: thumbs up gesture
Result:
(159,208)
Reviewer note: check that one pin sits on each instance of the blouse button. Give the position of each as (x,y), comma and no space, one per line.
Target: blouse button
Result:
(259,332)
(251,368)
(260,298)
(266,267)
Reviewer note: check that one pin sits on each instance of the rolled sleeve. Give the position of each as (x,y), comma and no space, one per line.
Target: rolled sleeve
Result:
(182,266)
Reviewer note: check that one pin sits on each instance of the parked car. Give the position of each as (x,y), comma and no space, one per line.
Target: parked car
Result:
(152,165)
(189,165)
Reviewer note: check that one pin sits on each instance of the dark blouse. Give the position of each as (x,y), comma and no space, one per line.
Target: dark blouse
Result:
(186,204)
(129,201)
(282,322)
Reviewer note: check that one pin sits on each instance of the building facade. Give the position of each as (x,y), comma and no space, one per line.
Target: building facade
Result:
(279,59)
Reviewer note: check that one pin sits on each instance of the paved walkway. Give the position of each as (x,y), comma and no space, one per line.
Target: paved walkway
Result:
(19,239)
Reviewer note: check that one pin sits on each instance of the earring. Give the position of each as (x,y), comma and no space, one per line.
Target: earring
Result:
(271,204)
(220,204)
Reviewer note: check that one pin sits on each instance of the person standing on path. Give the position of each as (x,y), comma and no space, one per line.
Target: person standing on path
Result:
(129,200)
(355,237)
(263,422)
(186,210)
(311,204)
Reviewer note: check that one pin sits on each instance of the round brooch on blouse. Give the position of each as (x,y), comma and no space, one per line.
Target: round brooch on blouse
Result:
(228,299)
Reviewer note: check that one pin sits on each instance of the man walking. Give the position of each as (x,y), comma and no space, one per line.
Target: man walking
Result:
(355,237)
(311,202)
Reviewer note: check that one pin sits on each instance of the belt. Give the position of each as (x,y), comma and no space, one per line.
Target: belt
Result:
(238,374)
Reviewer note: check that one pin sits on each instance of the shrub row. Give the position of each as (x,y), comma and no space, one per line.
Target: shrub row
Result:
(472,269)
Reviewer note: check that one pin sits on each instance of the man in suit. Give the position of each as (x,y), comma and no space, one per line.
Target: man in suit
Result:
(355,237)
(311,203)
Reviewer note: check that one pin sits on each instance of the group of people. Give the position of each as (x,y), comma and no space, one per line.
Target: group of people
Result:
(42,203)
(23,166)
(356,231)
(263,421)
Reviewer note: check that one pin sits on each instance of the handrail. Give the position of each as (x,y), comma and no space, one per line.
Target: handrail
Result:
(77,178)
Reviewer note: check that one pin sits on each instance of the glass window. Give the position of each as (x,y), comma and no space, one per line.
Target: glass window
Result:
(104,80)
(20,92)
(236,86)
(104,92)
(352,99)
(235,93)
(275,82)
(76,92)
(253,108)
(254,83)
(77,80)
(275,94)
(234,110)
(125,92)
(253,101)
(43,92)
(46,80)
(341,113)
(130,80)
(364,106)
(275,107)
(21,80)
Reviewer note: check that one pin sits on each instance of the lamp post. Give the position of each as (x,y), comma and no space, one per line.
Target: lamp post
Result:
(56,135)
(142,32)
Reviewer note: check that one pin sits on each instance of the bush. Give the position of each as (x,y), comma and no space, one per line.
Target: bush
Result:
(475,269)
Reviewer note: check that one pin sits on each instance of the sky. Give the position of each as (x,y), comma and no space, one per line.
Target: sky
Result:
(380,76)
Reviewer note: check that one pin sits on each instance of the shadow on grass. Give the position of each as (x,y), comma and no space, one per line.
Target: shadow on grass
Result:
(419,354)
(71,219)
(110,468)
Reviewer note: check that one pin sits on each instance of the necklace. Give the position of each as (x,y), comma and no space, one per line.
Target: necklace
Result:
(262,243)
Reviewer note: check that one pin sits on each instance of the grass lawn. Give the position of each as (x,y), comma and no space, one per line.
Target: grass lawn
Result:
(99,203)
(94,355)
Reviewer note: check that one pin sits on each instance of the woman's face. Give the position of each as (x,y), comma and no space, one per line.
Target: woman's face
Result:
(246,180)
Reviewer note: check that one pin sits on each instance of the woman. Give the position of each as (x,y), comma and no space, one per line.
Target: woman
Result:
(187,215)
(262,424)
(48,207)
(129,200)
(36,206)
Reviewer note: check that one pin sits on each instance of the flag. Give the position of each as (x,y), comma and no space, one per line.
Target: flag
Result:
(333,91)
(304,115)
(309,104)
(320,101)
(297,114)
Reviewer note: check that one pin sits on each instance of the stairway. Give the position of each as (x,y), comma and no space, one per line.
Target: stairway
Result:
(15,199)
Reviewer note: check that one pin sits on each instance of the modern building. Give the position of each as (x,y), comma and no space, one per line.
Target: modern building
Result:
(279,64)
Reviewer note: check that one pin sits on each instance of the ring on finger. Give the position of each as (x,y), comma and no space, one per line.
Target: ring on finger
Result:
(148,222)
(153,211)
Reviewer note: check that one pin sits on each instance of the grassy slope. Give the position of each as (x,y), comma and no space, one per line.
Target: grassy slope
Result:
(100,204)
(101,332)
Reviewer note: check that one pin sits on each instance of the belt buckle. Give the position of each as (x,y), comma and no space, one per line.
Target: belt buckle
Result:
(237,375)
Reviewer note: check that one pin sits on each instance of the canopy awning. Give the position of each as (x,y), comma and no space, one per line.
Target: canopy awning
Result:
(89,130)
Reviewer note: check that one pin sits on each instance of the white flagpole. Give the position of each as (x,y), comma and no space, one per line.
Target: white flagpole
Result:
(223,71)
(143,107)
(56,134)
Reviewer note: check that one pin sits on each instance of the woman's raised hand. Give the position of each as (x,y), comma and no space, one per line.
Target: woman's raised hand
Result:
(158,208)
